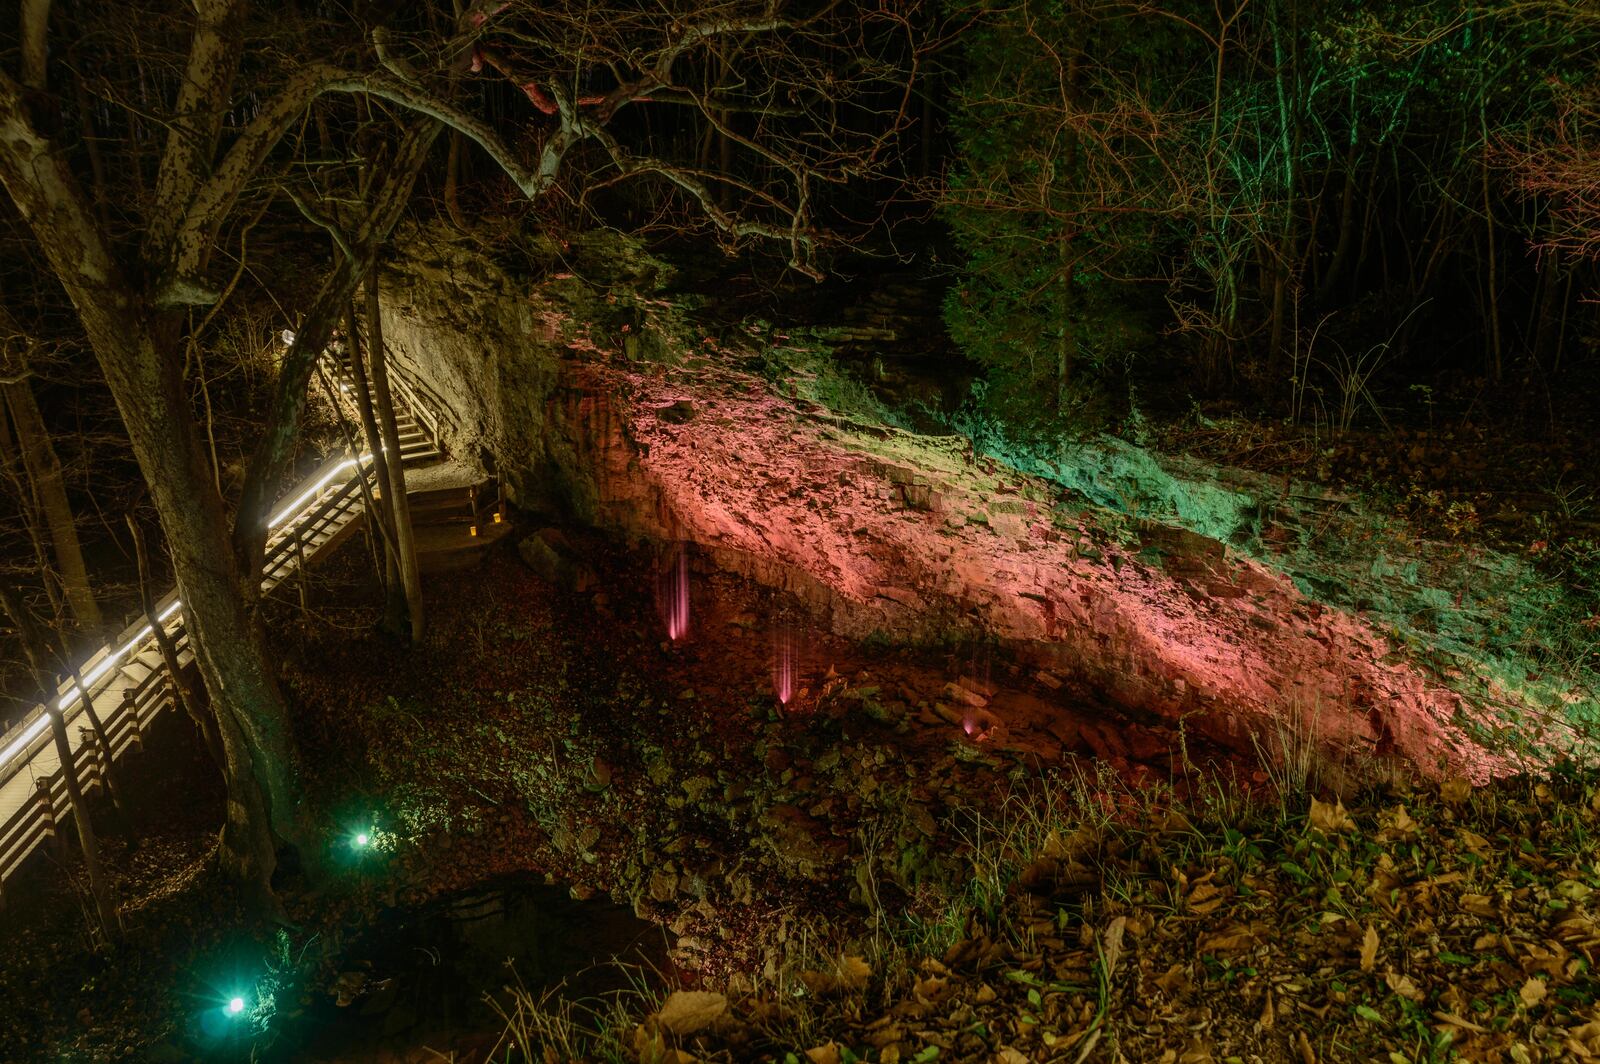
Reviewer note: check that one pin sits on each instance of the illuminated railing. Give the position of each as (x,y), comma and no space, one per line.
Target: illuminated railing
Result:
(314,517)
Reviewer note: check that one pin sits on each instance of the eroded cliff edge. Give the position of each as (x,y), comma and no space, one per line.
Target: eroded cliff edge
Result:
(594,399)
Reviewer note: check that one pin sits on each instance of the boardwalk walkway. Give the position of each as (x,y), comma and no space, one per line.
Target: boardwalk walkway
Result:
(126,682)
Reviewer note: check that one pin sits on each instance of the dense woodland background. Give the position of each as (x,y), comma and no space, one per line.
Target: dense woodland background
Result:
(1331,209)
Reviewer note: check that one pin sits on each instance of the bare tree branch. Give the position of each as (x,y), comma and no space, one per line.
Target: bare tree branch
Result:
(213,59)
(35,20)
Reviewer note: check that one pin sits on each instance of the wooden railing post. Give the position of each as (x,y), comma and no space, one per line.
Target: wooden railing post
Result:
(89,744)
(129,706)
(47,813)
(300,566)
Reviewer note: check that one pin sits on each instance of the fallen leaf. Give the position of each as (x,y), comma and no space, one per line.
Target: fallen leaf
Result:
(1573,890)
(1455,790)
(1532,992)
(1331,817)
(1404,986)
(1397,825)
(649,1044)
(1113,946)
(853,973)
(1204,898)
(1223,941)
(824,1054)
(687,1011)
(1174,980)
(1456,1021)
(1369,949)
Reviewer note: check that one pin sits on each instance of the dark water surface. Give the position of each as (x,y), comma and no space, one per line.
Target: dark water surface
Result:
(424,972)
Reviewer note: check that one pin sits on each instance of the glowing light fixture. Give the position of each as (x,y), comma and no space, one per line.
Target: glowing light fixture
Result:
(234,1006)
(362,839)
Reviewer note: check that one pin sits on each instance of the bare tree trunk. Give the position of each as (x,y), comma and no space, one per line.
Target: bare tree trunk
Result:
(1064,337)
(404,541)
(252,719)
(368,502)
(1347,226)
(36,647)
(395,620)
(1070,86)
(452,182)
(105,904)
(206,724)
(1492,297)
(35,25)
(44,471)
(386,198)
(10,461)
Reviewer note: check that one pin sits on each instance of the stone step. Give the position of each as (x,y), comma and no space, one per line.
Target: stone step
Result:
(449,548)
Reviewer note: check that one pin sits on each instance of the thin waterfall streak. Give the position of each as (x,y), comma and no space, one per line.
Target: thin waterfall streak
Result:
(673,595)
(783,664)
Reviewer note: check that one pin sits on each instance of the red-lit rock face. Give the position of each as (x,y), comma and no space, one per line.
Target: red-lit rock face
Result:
(910,538)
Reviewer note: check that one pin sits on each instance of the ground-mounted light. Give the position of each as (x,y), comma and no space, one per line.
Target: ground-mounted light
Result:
(234,1007)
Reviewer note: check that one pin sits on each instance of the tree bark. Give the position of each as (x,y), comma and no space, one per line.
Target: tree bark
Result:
(395,614)
(185,698)
(11,463)
(404,540)
(44,471)
(252,718)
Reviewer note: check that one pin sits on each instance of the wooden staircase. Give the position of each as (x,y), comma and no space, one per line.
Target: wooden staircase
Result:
(456,512)
(456,516)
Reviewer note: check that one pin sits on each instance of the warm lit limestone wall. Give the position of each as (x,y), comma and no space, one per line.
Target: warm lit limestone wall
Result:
(489,343)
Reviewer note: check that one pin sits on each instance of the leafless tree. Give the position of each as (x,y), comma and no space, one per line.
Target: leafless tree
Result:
(817,99)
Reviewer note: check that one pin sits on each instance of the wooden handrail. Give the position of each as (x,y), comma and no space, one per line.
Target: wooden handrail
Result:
(142,700)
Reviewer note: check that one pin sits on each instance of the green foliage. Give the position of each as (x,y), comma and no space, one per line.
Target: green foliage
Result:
(1038,303)
(1219,172)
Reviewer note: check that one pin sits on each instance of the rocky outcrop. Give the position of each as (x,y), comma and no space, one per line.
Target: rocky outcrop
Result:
(487,344)
(911,538)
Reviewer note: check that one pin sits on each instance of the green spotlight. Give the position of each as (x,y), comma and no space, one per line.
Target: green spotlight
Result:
(361,839)
(235,1006)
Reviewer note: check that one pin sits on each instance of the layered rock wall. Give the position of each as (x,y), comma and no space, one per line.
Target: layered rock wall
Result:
(913,538)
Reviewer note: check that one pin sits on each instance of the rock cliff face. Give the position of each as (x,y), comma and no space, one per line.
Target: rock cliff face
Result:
(911,538)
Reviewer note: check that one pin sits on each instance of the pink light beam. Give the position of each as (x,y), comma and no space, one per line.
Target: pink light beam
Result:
(783,664)
(672,595)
